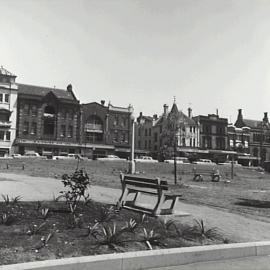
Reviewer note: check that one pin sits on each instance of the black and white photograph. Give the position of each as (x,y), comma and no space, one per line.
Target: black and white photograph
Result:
(134,134)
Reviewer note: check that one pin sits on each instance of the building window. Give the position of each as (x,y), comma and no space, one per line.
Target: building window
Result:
(160,129)
(25,128)
(145,132)
(155,136)
(26,109)
(190,129)
(149,131)
(34,110)
(116,121)
(7,98)
(2,134)
(1,97)
(139,144)
(149,144)
(139,132)
(7,135)
(70,131)
(190,142)
(63,131)
(183,142)
(115,136)
(145,145)
(194,143)
(33,130)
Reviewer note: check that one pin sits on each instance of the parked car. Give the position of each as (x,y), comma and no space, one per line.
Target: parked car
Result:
(145,159)
(204,162)
(16,155)
(179,160)
(32,154)
(67,156)
(111,158)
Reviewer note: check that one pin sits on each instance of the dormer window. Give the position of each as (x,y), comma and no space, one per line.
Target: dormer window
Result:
(4,98)
(7,98)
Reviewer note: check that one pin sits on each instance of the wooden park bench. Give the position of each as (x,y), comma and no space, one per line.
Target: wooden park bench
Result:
(152,187)
(200,172)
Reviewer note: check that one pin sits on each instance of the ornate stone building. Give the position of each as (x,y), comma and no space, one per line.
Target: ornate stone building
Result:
(8,111)
(151,133)
(48,120)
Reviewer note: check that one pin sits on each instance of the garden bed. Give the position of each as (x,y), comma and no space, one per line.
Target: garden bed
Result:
(32,231)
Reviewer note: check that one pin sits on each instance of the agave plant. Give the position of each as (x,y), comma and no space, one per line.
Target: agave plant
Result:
(44,213)
(6,199)
(7,219)
(93,230)
(130,226)
(151,239)
(16,199)
(111,236)
(166,224)
(199,232)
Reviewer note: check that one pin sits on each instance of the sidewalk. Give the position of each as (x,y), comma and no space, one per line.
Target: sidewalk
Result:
(248,263)
(233,226)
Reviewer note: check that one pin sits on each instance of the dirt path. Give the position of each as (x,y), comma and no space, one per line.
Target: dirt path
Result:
(235,227)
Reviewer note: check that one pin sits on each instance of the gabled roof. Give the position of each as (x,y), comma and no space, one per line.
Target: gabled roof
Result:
(41,91)
(5,72)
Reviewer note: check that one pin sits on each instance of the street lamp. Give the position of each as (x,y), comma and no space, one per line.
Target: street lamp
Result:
(132,162)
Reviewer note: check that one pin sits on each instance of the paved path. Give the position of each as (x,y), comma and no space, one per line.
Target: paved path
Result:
(236,227)
(248,263)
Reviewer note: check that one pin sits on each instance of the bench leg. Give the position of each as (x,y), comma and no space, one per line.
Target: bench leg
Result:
(136,197)
(160,202)
(122,198)
(174,204)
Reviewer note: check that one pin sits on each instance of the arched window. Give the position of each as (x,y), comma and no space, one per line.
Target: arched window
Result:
(49,120)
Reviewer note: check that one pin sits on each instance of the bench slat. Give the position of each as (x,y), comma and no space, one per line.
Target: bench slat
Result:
(146,185)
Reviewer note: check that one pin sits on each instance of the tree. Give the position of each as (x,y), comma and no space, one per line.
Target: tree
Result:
(169,137)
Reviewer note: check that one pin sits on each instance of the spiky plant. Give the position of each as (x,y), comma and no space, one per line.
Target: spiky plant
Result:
(151,238)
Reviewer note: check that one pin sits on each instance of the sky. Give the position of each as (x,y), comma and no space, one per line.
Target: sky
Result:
(209,54)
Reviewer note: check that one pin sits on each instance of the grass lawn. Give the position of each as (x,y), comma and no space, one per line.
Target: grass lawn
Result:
(247,193)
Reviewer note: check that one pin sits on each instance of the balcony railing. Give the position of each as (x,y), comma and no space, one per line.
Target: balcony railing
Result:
(93,128)
(5,123)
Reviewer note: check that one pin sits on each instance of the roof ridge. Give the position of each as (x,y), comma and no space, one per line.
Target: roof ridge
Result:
(39,86)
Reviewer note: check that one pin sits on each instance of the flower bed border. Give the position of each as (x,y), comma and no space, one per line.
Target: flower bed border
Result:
(150,259)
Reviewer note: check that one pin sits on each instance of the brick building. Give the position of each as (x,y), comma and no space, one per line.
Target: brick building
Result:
(105,129)
(259,146)
(48,120)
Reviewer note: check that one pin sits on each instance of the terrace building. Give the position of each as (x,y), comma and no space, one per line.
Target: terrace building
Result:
(259,146)
(48,120)
(8,111)
(105,130)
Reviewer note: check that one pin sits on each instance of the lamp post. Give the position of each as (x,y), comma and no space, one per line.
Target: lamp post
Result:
(132,162)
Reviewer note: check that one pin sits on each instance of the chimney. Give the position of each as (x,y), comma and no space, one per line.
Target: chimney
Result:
(69,88)
(189,112)
(240,116)
(217,112)
(155,116)
(140,114)
(165,107)
(102,102)
(265,118)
